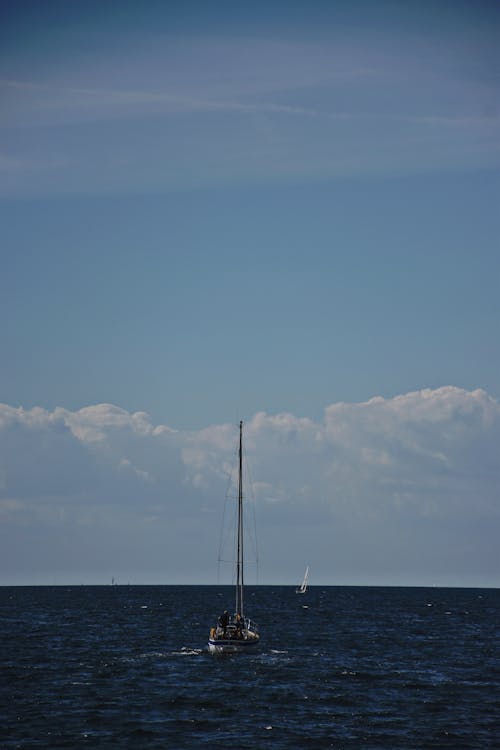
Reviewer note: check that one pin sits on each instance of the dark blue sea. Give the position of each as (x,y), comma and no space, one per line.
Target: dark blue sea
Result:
(340,667)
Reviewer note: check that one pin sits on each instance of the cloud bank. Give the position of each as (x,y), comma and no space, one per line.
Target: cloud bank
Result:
(391,490)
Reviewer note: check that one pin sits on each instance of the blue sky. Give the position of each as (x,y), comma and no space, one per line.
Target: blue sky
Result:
(214,210)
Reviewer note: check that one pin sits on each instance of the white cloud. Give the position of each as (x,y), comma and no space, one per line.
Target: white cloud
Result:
(428,457)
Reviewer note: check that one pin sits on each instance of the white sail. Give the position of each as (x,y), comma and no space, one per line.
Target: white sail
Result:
(303,586)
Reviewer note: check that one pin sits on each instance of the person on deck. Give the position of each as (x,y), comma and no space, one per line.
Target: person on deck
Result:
(239,626)
(223,621)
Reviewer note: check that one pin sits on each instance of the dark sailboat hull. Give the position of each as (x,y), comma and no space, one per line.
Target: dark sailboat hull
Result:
(233,645)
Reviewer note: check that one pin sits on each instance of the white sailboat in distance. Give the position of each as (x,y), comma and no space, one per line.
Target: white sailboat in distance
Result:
(235,632)
(303,586)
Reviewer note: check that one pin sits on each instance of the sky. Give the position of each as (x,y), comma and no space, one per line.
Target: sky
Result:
(286,213)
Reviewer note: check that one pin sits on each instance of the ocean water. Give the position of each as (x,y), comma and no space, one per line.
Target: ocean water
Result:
(340,667)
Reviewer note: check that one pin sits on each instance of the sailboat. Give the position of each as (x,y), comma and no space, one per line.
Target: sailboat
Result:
(236,632)
(303,586)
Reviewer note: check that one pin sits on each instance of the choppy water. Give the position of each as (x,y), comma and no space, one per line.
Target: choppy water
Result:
(341,667)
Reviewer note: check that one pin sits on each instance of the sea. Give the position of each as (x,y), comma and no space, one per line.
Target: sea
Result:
(339,667)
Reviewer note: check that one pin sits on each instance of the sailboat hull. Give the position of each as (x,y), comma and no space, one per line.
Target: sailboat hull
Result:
(233,646)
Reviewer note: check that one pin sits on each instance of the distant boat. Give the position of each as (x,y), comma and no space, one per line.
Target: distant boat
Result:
(235,632)
(303,586)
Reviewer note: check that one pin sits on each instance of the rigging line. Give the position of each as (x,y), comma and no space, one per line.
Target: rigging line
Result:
(254,515)
(231,562)
(230,478)
(227,539)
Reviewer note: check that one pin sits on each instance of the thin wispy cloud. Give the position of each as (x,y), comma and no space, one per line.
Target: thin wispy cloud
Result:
(107,103)
(201,109)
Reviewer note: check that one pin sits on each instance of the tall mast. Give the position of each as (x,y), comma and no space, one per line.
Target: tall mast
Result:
(239,556)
